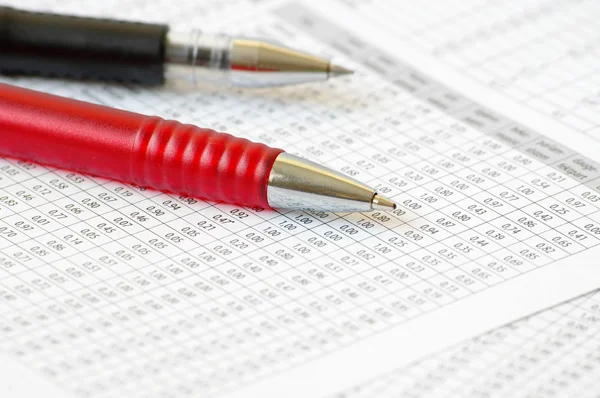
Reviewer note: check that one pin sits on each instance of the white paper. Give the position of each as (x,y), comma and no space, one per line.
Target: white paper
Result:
(542,54)
(109,290)
(554,353)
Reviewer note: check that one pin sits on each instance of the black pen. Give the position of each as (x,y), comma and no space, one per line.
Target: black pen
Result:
(55,45)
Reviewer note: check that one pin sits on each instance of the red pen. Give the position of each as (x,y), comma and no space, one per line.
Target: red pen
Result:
(170,156)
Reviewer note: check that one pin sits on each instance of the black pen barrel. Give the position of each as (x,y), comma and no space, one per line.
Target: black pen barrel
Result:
(52,45)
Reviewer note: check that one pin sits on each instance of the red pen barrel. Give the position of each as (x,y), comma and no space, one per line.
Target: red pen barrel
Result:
(134,148)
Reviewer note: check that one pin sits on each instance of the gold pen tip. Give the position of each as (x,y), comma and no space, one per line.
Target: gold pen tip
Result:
(382,203)
(336,70)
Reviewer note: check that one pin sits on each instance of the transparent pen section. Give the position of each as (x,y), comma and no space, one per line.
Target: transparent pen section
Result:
(246,62)
(195,57)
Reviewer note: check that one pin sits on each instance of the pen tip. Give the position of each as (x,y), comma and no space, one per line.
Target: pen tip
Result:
(382,203)
(336,70)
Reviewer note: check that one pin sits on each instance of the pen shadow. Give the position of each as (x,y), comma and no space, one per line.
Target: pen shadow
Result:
(332,95)
(179,100)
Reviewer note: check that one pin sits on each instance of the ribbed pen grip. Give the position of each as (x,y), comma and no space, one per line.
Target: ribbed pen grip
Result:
(183,158)
(130,147)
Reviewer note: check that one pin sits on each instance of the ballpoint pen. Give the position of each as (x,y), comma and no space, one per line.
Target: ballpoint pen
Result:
(101,49)
(170,156)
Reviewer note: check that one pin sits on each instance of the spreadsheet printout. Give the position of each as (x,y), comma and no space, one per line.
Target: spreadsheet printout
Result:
(110,290)
(555,353)
(552,68)
(541,53)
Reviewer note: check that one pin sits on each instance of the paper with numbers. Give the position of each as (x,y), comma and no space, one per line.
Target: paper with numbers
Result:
(555,353)
(112,290)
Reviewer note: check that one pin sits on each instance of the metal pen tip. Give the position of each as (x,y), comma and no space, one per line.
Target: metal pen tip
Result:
(382,203)
(336,70)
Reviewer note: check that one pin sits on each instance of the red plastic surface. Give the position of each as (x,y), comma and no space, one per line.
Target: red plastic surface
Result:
(145,150)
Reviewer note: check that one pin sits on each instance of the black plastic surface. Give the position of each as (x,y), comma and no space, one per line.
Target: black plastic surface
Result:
(80,48)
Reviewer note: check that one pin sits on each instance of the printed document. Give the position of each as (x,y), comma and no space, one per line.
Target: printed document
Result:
(108,289)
